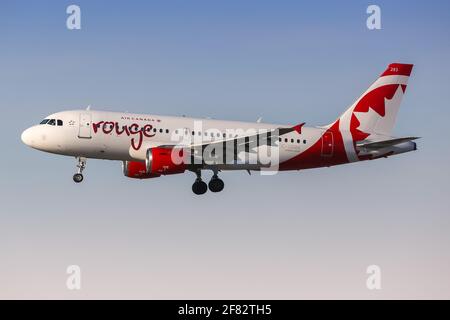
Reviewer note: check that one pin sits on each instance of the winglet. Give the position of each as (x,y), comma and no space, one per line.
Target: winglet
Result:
(298,127)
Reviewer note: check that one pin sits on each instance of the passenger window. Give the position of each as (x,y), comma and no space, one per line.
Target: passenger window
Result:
(298,140)
(285,140)
(292,140)
(60,123)
(160,130)
(52,122)
(167,130)
(154,129)
(304,141)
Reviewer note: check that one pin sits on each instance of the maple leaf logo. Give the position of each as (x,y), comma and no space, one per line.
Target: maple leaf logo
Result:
(367,120)
(377,115)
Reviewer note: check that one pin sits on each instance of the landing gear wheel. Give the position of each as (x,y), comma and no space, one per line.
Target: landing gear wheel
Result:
(77,177)
(216,184)
(199,187)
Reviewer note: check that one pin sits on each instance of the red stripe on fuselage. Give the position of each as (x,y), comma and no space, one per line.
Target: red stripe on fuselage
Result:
(313,158)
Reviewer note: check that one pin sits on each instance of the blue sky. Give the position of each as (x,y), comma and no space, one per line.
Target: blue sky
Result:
(294,235)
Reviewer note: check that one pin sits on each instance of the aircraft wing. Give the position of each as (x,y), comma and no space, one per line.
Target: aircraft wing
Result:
(238,144)
(229,146)
(242,143)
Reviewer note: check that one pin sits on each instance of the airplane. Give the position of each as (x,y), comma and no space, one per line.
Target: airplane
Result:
(151,146)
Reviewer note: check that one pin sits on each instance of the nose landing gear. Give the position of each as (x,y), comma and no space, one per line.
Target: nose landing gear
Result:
(78,177)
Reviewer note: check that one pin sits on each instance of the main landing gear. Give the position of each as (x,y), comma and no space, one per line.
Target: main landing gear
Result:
(78,177)
(215,184)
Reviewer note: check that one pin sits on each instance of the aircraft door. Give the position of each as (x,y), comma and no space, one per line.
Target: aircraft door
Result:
(327,144)
(85,126)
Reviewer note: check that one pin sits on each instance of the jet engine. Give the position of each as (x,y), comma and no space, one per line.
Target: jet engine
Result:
(137,170)
(163,161)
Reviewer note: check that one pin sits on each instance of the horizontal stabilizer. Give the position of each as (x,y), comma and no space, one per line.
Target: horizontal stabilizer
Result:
(384,144)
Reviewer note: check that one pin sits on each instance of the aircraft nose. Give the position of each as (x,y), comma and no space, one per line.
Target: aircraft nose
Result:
(27,137)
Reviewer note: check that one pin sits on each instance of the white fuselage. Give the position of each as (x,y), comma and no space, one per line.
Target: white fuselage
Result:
(119,136)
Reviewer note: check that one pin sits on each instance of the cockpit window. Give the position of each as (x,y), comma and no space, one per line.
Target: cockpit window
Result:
(53,122)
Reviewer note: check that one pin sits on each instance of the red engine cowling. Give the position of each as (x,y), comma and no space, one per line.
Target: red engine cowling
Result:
(137,170)
(162,161)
